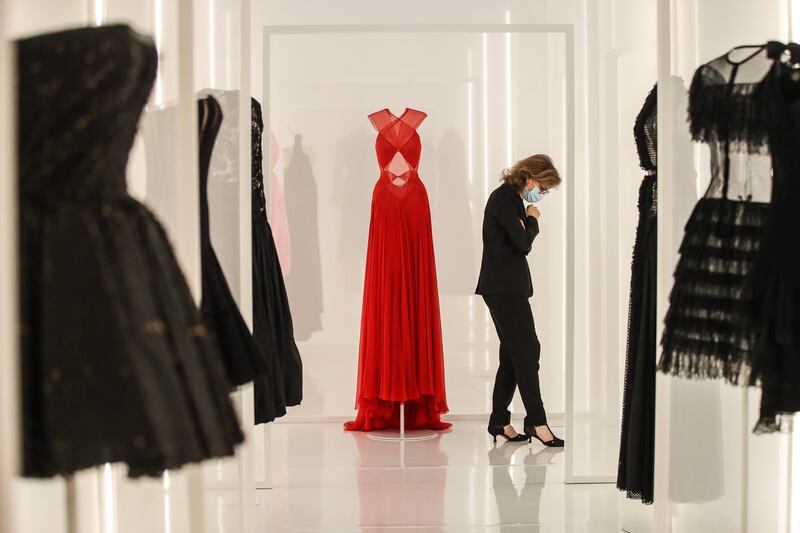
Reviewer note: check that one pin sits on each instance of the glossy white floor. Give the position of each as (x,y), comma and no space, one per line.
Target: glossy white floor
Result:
(328,480)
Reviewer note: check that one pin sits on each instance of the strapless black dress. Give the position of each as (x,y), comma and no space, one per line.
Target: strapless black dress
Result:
(117,365)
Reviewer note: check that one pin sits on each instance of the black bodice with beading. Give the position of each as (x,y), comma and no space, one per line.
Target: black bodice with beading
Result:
(645,132)
(257,161)
(116,362)
(273,329)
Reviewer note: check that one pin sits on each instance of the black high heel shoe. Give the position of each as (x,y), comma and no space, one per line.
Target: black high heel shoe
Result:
(555,442)
(496,431)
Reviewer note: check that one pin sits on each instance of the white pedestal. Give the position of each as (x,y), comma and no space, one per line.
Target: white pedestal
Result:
(402,435)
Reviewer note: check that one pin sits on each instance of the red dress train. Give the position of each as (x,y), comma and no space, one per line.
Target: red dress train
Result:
(400,353)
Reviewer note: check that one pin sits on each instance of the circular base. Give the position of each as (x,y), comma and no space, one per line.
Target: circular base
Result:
(409,436)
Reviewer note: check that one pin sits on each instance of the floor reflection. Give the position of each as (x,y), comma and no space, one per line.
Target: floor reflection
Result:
(326,479)
(518,492)
(404,497)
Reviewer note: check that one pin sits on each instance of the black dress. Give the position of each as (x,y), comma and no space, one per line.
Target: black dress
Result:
(707,334)
(240,353)
(637,442)
(272,319)
(116,364)
(775,283)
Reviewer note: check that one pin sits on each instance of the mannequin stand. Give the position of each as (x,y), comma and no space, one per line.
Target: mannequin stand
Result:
(403,435)
(71,504)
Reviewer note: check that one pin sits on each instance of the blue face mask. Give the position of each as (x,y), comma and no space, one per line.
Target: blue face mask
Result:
(532,196)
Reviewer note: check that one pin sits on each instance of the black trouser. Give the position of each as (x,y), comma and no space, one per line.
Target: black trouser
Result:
(519,359)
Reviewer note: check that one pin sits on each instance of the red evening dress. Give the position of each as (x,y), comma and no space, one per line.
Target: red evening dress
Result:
(400,355)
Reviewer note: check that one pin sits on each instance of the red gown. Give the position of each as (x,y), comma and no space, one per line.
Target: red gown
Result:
(400,353)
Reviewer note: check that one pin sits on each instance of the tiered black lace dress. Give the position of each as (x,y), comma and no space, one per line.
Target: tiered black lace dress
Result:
(637,441)
(706,331)
(116,363)
(272,319)
(240,353)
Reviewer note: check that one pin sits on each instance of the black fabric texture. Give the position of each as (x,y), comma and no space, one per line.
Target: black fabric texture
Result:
(774,286)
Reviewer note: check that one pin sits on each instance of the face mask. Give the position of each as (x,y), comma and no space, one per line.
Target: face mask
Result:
(532,196)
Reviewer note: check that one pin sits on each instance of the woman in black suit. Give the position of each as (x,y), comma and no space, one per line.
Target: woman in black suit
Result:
(505,284)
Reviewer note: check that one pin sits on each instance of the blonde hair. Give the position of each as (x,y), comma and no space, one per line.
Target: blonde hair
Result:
(537,167)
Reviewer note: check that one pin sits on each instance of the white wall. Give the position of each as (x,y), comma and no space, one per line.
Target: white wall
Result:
(620,69)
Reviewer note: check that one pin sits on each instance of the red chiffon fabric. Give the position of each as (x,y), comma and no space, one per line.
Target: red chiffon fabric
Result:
(400,354)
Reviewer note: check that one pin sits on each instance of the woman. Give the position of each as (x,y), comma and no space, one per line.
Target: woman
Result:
(505,284)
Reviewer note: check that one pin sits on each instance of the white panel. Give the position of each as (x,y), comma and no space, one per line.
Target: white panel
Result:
(9,352)
(620,70)
(221,40)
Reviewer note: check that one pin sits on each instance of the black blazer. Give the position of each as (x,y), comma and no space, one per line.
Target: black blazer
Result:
(506,243)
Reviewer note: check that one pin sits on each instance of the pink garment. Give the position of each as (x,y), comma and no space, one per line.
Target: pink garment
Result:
(277,212)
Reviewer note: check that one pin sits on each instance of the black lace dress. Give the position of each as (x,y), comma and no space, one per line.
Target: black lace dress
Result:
(706,332)
(637,441)
(116,363)
(272,319)
(240,353)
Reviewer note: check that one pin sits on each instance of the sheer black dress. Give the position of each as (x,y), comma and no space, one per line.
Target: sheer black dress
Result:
(707,334)
(637,442)
(272,319)
(240,353)
(116,363)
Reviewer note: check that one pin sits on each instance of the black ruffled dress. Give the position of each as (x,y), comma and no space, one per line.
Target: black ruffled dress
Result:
(706,332)
(735,307)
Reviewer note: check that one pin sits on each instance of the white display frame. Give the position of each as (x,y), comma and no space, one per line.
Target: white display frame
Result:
(9,360)
(570,168)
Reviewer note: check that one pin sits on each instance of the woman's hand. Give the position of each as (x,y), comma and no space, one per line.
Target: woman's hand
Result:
(533,211)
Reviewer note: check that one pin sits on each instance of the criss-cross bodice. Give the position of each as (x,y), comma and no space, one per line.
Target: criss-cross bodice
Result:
(400,359)
(398,146)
